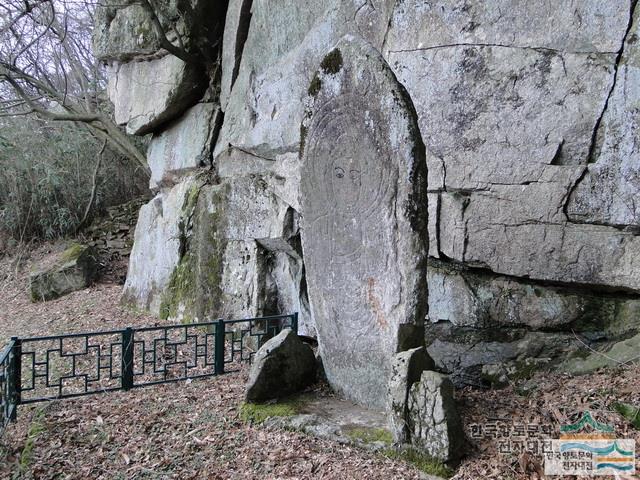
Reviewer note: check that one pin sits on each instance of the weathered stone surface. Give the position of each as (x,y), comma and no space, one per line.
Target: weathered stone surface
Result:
(286,42)
(434,423)
(236,29)
(239,256)
(283,366)
(194,290)
(587,27)
(266,106)
(467,297)
(281,175)
(363,181)
(71,270)
(607,193)
(156,249)
(529,114)
(463,351)
(585,254)
(406,370)
(123,33)
(614,355)
(147,94)
(182,146)
(510,115)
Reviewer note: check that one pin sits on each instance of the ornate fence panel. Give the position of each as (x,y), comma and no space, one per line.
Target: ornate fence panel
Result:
(64,366)
(9,378)
(37,369)
(245,337)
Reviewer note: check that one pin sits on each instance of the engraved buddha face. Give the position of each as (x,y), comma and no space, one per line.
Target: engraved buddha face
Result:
(345,174)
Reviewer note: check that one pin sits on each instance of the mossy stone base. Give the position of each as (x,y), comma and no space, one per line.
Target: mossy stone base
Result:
(259,412)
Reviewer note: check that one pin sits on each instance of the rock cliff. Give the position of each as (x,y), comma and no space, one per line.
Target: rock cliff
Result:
(523,117)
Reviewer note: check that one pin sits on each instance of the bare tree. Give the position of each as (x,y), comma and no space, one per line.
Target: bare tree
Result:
(47,68)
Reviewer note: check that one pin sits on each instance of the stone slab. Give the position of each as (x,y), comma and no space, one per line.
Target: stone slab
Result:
(182,147)
(363,181)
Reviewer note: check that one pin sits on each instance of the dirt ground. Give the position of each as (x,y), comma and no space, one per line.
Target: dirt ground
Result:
(193,430)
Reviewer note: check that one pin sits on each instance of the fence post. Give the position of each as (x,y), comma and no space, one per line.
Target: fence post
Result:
(127,358)
(15,377)
(294,322)
(219,346)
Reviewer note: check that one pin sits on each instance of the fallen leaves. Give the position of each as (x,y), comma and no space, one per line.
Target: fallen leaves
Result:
(191,430)
(186,430)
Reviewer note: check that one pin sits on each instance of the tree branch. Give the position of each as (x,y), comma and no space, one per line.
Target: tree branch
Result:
(162,37)
(94,185)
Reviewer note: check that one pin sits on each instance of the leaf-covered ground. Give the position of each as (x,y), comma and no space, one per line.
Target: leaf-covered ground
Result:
(193,430)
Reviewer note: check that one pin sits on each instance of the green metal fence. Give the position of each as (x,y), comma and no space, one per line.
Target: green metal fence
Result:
(36,369)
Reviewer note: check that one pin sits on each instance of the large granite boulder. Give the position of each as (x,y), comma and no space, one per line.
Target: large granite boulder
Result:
(608,190)
(149,86)
(147,94)
(123,33)
(158,243)
(512,117)
(364,233)
(283,366)
(183,146)
(124,30)
(527,111)
(73,269)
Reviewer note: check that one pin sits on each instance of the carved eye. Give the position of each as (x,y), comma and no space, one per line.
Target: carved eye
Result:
(339,172)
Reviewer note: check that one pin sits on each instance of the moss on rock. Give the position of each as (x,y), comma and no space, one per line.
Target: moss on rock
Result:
(259,412)
(179,293)
(73,252)
(332,62)
(194,292)
(368,434)
(315,85)
(71,270)
(210,244)
(419,460)
(630,412)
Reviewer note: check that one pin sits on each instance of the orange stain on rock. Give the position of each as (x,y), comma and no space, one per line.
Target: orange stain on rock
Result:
(375,304)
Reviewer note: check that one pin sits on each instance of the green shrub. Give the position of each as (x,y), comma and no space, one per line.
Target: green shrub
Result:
(46,172)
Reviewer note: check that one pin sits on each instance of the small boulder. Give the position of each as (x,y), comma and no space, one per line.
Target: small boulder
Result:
(283,365)
(432,419)
(71,270)
(406,369)
(495,375)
